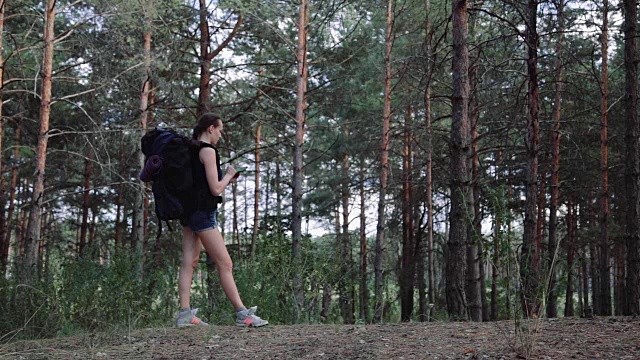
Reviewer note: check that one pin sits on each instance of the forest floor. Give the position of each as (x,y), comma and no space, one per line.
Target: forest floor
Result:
(570,338)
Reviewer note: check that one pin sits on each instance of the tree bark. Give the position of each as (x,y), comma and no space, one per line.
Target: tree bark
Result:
(120,213)
(384,167)
(137,234)
(6,244)
(585,283)
(428,180)
(408,245)
(474,279)
(86,197)
(605,274)
(364,284)
(346,299)
(4,220)
(620,286)
(554,187)
(632,160)
(497,237)
(296,203)
(256,195)
(529,268)
(571,237)
(459,146)
(32,238)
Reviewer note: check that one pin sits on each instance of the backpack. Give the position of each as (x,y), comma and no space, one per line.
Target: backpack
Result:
(168,165)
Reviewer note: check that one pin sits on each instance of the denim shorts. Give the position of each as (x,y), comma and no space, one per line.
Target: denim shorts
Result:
(202,220)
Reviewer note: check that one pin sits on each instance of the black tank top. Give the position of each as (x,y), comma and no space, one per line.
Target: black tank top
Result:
(205,200)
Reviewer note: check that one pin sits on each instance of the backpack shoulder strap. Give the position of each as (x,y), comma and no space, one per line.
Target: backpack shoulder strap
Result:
(204,145)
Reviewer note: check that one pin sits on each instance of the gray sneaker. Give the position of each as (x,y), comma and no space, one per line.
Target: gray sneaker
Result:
(189,318)
(248,318)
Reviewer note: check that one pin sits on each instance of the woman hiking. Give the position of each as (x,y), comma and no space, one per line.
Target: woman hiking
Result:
(201,227)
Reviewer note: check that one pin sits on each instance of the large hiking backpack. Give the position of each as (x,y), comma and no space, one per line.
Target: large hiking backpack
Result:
(168,165)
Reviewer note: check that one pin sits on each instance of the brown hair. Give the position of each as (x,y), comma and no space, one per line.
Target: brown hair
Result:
(204,122)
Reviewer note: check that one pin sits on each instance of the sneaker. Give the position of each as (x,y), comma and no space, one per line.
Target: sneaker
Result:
(248,318)
(189,318)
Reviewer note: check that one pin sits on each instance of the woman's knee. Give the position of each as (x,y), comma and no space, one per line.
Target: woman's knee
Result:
(225,264)
(189,263)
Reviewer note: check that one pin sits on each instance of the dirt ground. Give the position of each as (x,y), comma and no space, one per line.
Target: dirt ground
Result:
(600,338)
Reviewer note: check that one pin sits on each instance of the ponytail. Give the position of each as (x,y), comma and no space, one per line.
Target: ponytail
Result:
(204,122)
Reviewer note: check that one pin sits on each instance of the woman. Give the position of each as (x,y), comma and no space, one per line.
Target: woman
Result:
(201,228)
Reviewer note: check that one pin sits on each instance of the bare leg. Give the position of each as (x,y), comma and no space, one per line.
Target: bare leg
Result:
(191,246)
(214,245)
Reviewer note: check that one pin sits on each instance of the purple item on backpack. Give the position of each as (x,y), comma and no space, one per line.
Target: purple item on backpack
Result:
(151,168)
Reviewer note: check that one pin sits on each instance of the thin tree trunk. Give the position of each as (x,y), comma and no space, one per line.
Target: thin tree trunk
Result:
(554,187)
(595,278)
(364,284)
(408,245)
(256,194)
(632,160)
(605,274)
(86,196)
(620,290)
(33,230)
(235,234)
(579,288)
(296,203)
(460,192)
(277,184)
(4,220)
(529,268)
(585,283)
(347,300)
(571,237)
(92,228)
(428,165)
(204,88)
(326,302)
(138,212)
(384,168)
(6,245)
(497,236)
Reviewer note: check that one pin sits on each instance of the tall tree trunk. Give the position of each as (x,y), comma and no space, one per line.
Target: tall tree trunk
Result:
(605,274)
(92,228)
(4,220)
(620,289)
(364,284)
(296,203)
(6,244)
(408,245)
(552,297)
(88,174)
(585,282)
(206,56)
(346,301)
(428,164)
(384,167)
(33,230)
(137,234)
(632,160)
(235,234)
(529,268)
(595,278)
(460,192)
(555,167)
(497,237)
(204,88)
(571,238)
(474,279)
(256,194)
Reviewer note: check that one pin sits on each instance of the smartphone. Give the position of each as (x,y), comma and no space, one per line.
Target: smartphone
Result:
(238,171)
